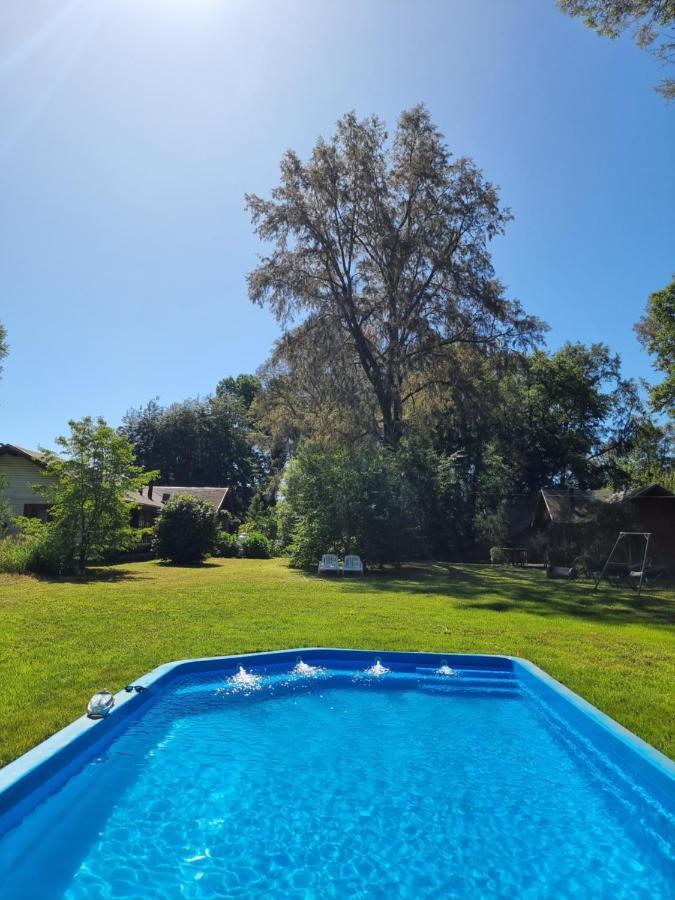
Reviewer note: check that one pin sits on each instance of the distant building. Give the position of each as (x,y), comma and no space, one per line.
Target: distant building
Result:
(23,469)
(150,500)
(558,513)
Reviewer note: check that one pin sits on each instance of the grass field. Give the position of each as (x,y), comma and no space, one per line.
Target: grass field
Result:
(62,640)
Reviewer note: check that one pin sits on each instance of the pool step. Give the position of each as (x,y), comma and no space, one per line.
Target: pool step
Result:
(473,687)
(498,674)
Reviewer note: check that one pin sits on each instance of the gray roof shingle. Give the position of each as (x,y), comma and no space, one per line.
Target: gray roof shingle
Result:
(215,496)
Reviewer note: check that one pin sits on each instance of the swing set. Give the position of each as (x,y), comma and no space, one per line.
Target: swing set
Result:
(624,539)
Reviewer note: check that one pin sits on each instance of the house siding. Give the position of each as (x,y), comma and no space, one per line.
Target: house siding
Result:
(21,475)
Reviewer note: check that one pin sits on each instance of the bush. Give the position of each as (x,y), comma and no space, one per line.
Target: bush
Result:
(497,555)
(186,530)
(143,535)
(227,545)
(14,555)
(349,500)
(34,550)
(256,546)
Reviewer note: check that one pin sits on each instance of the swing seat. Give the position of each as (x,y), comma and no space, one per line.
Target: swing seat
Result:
(650,573)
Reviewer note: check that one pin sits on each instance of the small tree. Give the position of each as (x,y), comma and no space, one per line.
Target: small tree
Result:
(88,490)
(186,530)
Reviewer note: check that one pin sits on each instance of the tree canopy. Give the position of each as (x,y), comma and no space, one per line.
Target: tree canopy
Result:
(202,441)
(652,22)
(380,250)
(656,332)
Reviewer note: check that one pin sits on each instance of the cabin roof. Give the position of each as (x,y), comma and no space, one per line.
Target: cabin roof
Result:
(572,507)
(215,496)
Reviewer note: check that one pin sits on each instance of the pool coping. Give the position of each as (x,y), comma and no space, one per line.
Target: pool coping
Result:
(61,753)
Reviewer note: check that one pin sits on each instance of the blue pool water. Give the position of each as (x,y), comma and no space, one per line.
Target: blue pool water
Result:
(343,785)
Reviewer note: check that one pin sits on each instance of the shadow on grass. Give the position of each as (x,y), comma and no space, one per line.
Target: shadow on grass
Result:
(113,573)
(505,590)
(98,575)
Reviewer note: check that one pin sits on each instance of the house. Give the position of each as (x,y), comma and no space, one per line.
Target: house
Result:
(150,500)
(559,513)
(654,508)
(557,509)
(23,469)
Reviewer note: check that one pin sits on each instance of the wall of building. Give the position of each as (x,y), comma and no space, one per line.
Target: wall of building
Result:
(657,515)
(21,474)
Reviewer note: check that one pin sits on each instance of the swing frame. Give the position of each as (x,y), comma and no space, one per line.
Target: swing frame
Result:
(624,534)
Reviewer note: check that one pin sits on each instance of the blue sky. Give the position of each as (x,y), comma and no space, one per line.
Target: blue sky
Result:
(131,130)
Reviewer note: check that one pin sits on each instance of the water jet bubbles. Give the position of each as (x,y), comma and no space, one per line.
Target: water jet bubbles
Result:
(445,669)
(244,680)
(304,669)
(377,669)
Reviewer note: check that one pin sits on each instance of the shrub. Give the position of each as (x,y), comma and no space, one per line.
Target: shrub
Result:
(349,500)
(497,555)
(33,550)
(227,545)
(143,535)
(256,546)
(186,530)
(14,555)
(45,557)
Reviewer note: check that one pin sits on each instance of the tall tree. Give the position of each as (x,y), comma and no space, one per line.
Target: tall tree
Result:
(656,332)
(380,248)
(242,390)
(563,417)
(87,489)
(652,22)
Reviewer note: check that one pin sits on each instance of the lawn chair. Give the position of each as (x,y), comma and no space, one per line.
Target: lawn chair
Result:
(329,564)
(353,565)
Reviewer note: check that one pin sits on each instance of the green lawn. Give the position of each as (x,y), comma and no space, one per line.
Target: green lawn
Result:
(62,640)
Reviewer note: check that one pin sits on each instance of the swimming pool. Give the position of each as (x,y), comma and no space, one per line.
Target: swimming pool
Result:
(418,776)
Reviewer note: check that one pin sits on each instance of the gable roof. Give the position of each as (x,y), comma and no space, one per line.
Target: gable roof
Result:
(22,452)
(649,490)
(572,507)
(215,496)
(138,498)
(575,507)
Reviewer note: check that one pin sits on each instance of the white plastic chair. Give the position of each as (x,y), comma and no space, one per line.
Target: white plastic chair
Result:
(329,563)
(353,565)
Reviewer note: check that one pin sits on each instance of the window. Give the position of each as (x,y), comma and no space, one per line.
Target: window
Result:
(36,511)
